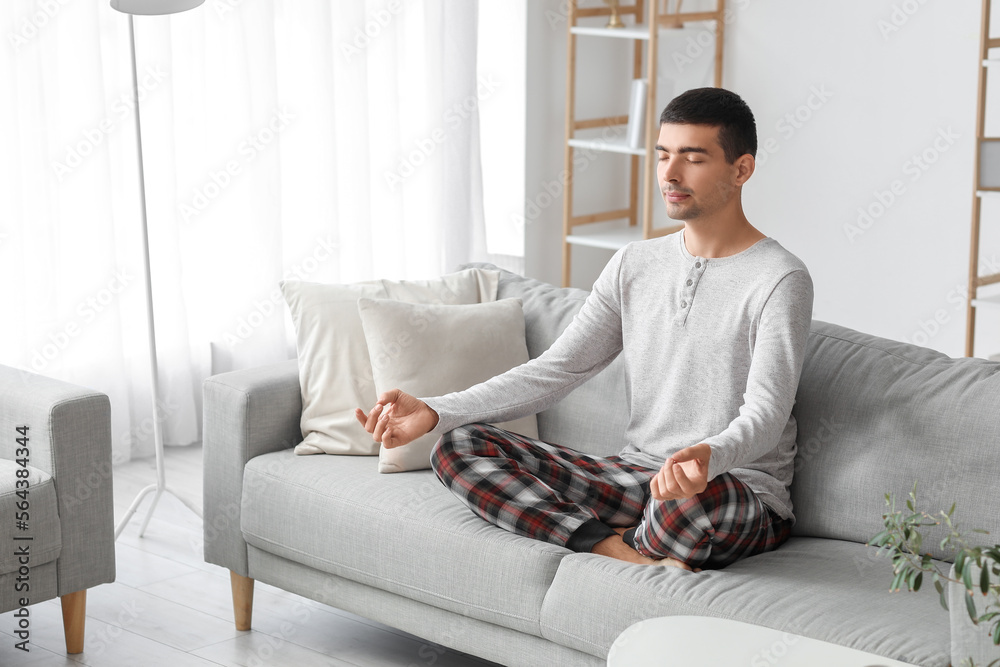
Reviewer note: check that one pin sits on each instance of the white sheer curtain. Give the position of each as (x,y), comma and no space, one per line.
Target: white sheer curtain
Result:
(324,141)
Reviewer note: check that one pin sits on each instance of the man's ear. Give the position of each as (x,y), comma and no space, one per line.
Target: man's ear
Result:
(745,164)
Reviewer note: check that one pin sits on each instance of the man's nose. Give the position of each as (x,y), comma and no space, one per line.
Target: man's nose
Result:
(670,174)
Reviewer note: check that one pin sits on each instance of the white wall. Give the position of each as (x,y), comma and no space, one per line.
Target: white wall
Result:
(881,96)
(501,66)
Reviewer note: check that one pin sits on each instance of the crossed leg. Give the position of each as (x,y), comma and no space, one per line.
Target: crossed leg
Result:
(585,503)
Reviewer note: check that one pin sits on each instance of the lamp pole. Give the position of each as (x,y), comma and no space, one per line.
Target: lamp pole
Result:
(149,7)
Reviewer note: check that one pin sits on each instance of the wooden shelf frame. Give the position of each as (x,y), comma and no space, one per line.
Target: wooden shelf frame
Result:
(656,20)
(979,192)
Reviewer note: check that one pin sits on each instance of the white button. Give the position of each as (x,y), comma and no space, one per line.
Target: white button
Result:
(697,265)
(684,304)
(689,281)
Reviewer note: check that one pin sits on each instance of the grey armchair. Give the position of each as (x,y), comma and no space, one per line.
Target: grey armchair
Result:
(56,502)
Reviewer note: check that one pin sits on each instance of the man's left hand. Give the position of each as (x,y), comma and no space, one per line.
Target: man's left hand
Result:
(684,475)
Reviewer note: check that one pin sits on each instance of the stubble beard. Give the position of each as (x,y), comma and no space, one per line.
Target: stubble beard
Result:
(678,212)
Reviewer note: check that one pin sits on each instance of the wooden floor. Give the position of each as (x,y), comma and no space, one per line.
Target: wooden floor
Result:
(169,608)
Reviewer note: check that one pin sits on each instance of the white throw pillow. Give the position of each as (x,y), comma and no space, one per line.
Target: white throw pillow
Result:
(335,374)
(430,350)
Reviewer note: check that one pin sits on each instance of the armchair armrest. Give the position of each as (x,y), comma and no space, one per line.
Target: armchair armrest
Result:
(968,640)
(69,436)
(246,413)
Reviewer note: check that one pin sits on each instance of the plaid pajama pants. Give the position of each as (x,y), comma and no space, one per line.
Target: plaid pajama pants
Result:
(555,494)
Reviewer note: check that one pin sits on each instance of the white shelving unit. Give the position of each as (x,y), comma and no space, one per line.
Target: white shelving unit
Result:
(986,185)
(635,32)
(609,235)
(615,228)
(616,145)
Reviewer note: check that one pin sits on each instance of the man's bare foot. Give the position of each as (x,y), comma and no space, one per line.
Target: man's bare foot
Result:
(673,562)
(613,547)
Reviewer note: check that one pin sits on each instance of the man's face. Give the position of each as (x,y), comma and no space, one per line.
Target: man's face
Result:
(691,169)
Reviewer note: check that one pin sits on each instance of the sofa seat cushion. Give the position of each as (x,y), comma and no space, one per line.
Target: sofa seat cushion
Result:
(404,533)
(831,590)
(43,518)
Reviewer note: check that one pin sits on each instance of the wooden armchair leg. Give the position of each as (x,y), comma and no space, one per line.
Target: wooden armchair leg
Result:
(74,613)
(242,599)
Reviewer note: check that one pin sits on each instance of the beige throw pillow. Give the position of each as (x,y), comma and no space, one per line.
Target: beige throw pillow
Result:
(430,350)
(335,374)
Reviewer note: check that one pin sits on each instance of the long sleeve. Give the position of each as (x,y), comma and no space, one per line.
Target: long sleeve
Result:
(776,363)
(591,341)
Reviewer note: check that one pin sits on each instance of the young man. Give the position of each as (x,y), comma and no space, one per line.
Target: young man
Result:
(713,322)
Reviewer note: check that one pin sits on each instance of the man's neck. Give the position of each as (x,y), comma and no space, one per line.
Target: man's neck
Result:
(714,239)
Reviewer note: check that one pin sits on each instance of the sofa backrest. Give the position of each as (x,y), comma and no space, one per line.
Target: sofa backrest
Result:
(876,415)
(592,418)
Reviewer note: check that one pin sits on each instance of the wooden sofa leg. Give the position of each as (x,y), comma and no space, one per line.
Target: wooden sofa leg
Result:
(74,613)
(242,599)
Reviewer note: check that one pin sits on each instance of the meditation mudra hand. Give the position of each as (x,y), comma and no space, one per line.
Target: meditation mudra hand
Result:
(397,418)
(683,475)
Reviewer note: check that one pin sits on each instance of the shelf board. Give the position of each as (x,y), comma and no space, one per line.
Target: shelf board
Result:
(992,301)
(611,239)
(611,235)
(628,32)
(616,145)
(988,194)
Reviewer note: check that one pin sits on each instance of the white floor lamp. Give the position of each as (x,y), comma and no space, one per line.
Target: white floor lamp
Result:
(149,7)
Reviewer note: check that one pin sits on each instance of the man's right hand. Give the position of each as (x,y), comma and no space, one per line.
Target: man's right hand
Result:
(397,418)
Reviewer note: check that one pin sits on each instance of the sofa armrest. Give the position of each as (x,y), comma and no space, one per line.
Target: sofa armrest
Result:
(69,437)
(968,640)
(247,413)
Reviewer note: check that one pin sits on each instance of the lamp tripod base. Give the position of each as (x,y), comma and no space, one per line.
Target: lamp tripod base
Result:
(158,489)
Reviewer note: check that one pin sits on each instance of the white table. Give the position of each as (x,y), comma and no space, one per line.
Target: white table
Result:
(686,641)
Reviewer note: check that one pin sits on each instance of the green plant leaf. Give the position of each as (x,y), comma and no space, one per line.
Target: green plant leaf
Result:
(967,578)
(879,539)
(984,581)
(980,531)
(919,579)
(897,580)
(970,606)
(996,633)
(959,563)
(942,598)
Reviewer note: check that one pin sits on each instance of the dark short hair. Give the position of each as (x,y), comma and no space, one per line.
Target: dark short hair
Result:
(720,108)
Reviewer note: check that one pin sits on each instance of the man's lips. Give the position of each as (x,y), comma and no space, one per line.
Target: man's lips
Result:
(676,196)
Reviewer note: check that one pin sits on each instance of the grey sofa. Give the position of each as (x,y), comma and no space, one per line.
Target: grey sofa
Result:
(68,510)
(874,415)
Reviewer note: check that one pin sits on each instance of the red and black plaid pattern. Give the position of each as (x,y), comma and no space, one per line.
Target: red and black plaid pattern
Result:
(547,492)
(722,524)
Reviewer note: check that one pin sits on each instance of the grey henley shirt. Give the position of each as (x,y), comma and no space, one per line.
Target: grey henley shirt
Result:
(713,351)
